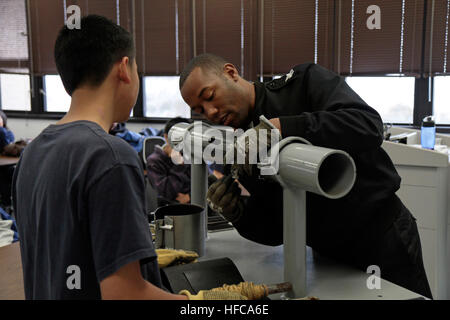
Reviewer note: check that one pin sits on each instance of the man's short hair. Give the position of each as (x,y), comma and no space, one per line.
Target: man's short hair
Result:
(87,55)
(174,121)
(206,61)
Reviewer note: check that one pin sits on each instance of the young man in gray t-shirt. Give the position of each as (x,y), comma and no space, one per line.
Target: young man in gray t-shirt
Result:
(78,192)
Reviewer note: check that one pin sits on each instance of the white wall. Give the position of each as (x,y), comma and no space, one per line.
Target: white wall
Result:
(30,128)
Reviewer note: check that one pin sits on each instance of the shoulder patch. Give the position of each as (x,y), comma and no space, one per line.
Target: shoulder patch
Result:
(289,75)
(280,82)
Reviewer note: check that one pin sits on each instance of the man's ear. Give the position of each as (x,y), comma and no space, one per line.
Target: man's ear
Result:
(124,70)
(230,70)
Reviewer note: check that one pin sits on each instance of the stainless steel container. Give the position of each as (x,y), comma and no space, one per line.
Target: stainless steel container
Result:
(177,226)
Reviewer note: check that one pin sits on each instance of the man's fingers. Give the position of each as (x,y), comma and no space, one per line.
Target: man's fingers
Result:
(228,201)
(220,189)
(224,202)
(230,206)
(212,189)
(223,195)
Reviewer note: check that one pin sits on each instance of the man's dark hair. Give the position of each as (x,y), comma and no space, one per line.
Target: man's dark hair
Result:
(174,121)
(87,55)
(206,61)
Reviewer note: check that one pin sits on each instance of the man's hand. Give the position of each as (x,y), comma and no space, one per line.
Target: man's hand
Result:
(254,140)
(183,198)
(224,197)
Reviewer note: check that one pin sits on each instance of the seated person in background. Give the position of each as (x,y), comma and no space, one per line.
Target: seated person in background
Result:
(172,182)
(6,135)
(7,145)
(6,142)
(136,140)
(151,132)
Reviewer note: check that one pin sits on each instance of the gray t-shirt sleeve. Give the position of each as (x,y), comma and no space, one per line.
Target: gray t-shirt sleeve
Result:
(118,225)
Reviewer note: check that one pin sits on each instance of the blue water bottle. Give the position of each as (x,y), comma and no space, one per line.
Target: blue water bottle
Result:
(428,136)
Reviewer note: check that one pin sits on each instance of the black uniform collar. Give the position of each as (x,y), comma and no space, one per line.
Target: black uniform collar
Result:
(260,94)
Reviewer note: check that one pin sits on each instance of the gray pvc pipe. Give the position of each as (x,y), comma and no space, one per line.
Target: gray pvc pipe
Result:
(302,167)
(327,172)
(294,239)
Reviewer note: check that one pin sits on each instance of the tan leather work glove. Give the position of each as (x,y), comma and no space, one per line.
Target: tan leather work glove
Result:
(213,295)
(242,291)
(170,257)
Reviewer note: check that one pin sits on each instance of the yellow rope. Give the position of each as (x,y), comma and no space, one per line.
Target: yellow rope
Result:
(249,289)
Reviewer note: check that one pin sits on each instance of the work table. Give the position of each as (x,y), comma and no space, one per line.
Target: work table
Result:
(326,279)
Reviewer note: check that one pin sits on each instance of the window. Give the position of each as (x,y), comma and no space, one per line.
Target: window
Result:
(15,92)
(56,98)
(162,98)
(441,99)
(392,97)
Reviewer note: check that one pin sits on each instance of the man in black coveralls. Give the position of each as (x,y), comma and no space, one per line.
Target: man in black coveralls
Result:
(370,225)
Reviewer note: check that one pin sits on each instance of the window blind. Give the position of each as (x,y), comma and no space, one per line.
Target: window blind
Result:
(393,48)
(13,37)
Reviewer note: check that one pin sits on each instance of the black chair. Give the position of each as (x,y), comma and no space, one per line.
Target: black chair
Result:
(149,146)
